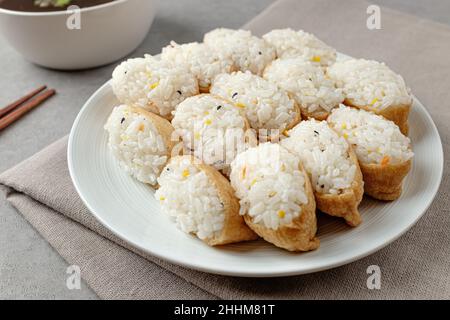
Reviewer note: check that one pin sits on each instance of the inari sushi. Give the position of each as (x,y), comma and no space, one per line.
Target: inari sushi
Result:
(212,129)
(307,84)
(248,52)
(152,84)
(140,140)
(203,62)
(276,196)
(372,86)
(201,201)
(300,44)
(266,106)
(384,153)
(332,166)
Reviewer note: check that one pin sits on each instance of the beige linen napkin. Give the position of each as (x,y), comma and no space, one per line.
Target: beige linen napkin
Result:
(415,266)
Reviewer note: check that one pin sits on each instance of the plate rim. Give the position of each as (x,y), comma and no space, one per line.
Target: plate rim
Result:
(248,273)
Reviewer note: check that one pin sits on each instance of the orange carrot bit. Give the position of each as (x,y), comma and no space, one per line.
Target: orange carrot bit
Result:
(385,161)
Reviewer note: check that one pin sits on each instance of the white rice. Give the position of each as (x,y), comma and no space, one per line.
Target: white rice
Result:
(324,155)
(300,44)
(187,195)
(265,105)
(368,83)
(136,144)
(212,128)
(247,51)
(203,62)
(269,184)
(376,140)
(146,82)
(306,83)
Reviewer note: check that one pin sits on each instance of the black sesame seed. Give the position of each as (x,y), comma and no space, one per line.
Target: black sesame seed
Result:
(259,52)
(234,95)
(322,186)
(218,107)
(316,132)
(222,204)
(126,71)
(179,92)
(121,121)
(167,169)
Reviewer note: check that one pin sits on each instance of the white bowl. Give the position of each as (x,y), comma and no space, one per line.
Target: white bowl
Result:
(108,32)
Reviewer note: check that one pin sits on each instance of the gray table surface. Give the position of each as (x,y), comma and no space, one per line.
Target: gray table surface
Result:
(29,267)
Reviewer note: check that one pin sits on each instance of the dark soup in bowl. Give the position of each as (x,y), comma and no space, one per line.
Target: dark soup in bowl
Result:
(47,5)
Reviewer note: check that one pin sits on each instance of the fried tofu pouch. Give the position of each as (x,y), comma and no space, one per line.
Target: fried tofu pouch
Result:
(300,234)
(202,202)
(234,229)
(384,182)
(331,165)
(276,197)
(397,113)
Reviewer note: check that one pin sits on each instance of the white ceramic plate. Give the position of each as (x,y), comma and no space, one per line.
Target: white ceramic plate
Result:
(128,207)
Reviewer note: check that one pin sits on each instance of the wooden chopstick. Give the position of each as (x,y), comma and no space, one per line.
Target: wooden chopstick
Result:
(15,104)
(21,110)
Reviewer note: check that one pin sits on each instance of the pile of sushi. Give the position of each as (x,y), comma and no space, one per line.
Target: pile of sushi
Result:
(245,137)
